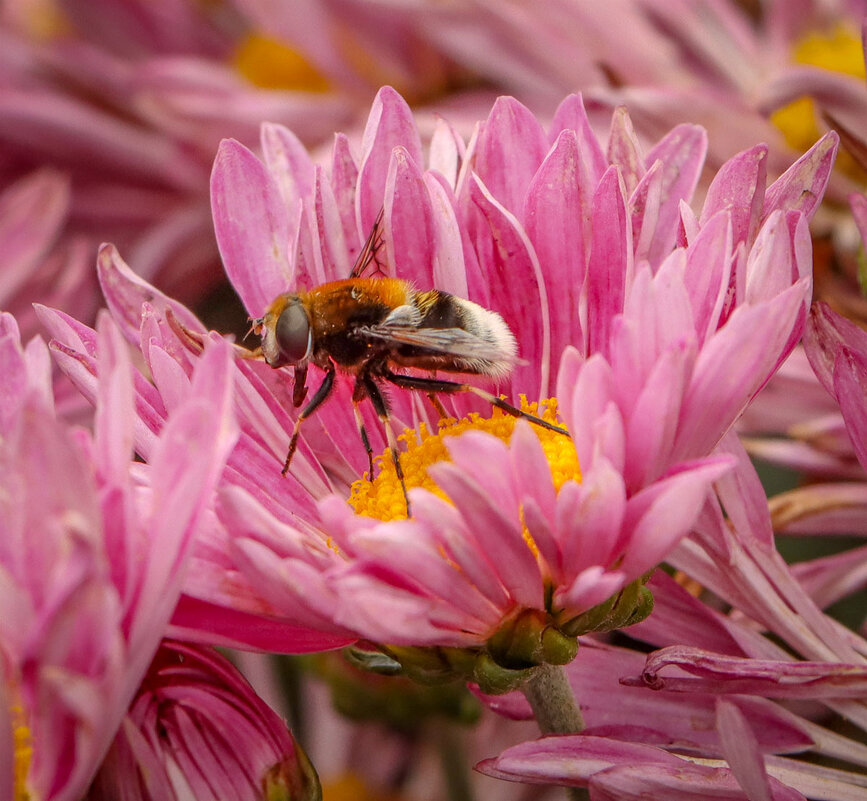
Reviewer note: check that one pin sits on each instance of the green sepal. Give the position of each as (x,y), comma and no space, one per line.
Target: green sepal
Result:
(493,679)
(628,607)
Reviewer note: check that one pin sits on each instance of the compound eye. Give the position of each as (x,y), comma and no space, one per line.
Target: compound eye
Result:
(292,333)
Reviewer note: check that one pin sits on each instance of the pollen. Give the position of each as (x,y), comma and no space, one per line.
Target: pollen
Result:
(383,498)
(270,64)
(836,50)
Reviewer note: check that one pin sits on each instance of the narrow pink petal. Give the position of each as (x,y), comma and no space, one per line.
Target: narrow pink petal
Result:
(825,335)
(571,759)
(803,185)
(590,588)
(739,188)
(449,268)
(344,180)
(517,289)
(125,293)
(648,446)
(708,271)
(769,265)
(682,152)
(610,267)
(496,532)
(589,518)
(677,783)
(571,115)
(409,235)
(13,386)
(115,411)
(252,226)
(329,227)
(850,389)
(460,546)
(741,750)
(732,351)
(389,125)
(289,165)
(446,151)
(624,151)
(659,516)
(509,150)
(557,220)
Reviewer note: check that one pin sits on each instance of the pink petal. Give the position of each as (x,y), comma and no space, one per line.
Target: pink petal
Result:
(741,750)
(557,215)
(509,150)
(289,165)
(409,235)
(850,388)
(708,272)
(681,152)
(571,115)
(624,151)
(659,516)
(739,188)
(389,125)
(517,290)
(803,185)
(252,226)
(125,293)
(732,351)
(825,335)
(610,267)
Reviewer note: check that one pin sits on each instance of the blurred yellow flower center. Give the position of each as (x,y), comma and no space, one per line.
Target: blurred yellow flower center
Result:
(349,787)
(271,64)
(383,499)
(22,742)
(838,50)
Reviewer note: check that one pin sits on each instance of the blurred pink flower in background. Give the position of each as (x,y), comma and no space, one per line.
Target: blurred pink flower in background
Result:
(197,730)
(93,553)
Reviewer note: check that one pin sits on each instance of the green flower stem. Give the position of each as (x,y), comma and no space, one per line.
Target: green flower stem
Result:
(554,706)
(451,744)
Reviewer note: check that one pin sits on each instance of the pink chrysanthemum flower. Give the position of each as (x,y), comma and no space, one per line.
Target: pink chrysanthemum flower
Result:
(128,100)
(92,556)
(197,730)
(654,323)
(711,713)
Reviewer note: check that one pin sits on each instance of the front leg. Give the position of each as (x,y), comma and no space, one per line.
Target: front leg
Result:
(318,398)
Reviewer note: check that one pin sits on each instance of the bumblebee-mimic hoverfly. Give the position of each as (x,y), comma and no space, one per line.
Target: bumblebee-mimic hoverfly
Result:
(370,328)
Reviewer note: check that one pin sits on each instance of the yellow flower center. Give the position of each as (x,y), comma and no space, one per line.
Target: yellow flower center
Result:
(838,50)
(23,752)
(271,64)
(383,499)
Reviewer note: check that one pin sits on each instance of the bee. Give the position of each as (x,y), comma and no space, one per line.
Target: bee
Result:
(373,327)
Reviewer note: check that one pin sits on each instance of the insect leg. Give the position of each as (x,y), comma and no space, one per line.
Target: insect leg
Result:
(437,404)
(321,394)
(381,407)
(433,385)
(358,394)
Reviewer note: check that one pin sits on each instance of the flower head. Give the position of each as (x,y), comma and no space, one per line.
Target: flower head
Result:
(654,323)
(196,729)
(93,554)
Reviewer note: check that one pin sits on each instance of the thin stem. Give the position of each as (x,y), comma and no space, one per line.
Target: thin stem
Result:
(553,704)
(451,744)
(554,707)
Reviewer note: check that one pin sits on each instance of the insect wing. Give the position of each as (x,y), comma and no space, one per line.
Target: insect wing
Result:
(447,341)
(367,256)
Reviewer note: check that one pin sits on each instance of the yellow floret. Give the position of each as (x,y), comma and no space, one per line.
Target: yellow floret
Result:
(383,499)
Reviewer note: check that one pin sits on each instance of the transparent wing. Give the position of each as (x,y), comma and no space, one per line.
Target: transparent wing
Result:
(447,341)
(367,256)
